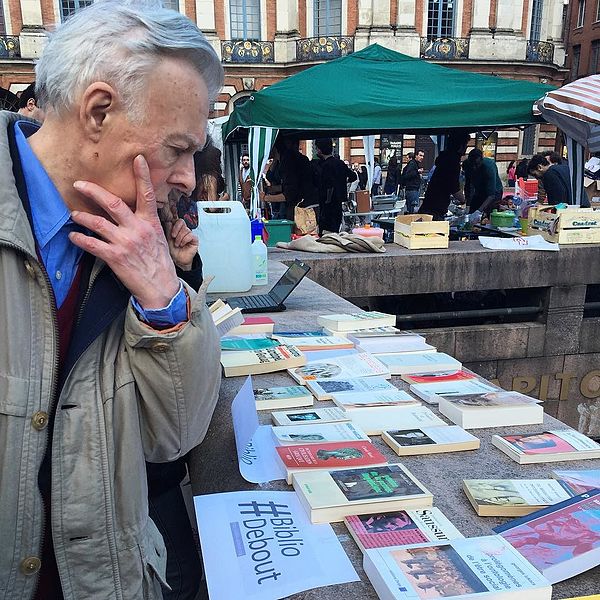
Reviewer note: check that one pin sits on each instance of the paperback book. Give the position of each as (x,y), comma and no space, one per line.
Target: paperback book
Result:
(254,325)
(431,392)
(309,417)
(225,318)
(560,541)
(547,446)
(291,396)
(429,440)
(368,332)
(392,344)
(323,389)
(411,416)
(331,455)
(341,367)
(480,567)
(254,362)
(441,376)
(578,482)
(373,400)
(419,362)
(319,434)
(491,409)
(512,497)
(400,528)
(240,344)
(329,496)
(311,342)
(359,320)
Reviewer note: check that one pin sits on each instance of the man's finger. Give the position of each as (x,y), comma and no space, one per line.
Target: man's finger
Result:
(103,227)
(119,212)
(145,196)
(92,245)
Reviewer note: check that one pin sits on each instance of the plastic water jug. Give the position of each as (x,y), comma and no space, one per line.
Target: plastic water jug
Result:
(225,246)
(368,231)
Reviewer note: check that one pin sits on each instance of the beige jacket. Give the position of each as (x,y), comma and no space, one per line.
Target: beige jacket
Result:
(133,394)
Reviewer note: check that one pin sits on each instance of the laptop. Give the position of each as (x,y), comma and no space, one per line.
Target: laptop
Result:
(273,301)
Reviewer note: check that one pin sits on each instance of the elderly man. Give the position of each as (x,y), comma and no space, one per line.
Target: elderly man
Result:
(106,357)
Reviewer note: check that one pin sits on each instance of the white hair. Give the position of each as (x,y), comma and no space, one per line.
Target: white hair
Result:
(120,42)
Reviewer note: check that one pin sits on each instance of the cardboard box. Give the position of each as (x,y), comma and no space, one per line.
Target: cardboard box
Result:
(363,201)
(571,225)
(417,232)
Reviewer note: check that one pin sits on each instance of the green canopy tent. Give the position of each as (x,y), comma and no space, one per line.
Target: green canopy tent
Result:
(377,90)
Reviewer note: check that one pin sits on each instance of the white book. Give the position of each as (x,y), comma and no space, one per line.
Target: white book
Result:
(318,434)
(358,320)
(309,417)
(369,332)
(411,416)
(373,400)
(429,440)
(419,362)
(430,392)
(322,389)
(313,342)
(291,396)
(481,567)
(341,367)
(392,344)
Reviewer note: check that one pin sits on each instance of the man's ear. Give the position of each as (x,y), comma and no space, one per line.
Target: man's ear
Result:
(98,104)
(30,106)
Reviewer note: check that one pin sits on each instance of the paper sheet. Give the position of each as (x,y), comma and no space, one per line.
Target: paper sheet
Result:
(530,242)
(260,545)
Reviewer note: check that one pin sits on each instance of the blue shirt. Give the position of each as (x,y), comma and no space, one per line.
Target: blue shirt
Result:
(52,224)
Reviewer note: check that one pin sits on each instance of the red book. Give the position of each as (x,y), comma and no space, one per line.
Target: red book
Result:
(435,377)
(332,455)
(254,325)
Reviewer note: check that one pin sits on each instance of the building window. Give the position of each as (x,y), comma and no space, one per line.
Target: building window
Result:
(595,57)
(328,17)
(440,19)
(68,7)
(537,10)
(528,142)
(581,13)
(2,21)
(575,62)
(245,19)
(171,4)
(598,11)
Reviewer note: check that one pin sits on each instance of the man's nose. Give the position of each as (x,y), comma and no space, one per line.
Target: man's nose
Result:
(185,176)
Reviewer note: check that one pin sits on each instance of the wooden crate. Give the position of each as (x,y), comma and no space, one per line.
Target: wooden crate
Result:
(417,232)
(571,225)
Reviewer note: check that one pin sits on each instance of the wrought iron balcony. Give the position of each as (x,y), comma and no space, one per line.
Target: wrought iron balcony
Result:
(247,51)
(9,46)
(323,48)
(542,52)
(445,48)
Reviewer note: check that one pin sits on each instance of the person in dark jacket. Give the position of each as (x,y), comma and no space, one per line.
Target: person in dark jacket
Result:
(556,179)
(521,170)
(411,180)
(483,186)
(331,177)
(392,177)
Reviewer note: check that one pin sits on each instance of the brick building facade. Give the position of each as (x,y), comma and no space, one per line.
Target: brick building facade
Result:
(262,41)
(583,38)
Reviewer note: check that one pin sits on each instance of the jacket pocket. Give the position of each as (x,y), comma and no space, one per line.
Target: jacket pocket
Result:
(14,393)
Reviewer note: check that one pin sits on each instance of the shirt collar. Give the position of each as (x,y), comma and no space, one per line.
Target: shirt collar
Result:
(48,210)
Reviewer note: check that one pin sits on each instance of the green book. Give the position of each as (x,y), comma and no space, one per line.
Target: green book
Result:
(243,344)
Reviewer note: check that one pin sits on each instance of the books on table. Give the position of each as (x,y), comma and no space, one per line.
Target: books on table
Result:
(269,360)
(318,434)
(491,409)
(290,396)
(254,325)
(368,332)
(411,416)
(560,541)
(331,455)
(400,528)
(341,367)
(438,377)
(547,446)
(429,440)
(224,317)
(431,392)
(578,481)
(312,343)
(323,389)
(481,567)
(419,362)
(241,344)
(512,497)
(329,496)
(309,417)
(373,400)
(357,320)
(392,344)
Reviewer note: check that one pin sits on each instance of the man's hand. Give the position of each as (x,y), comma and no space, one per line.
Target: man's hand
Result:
(183,244)
(131,243)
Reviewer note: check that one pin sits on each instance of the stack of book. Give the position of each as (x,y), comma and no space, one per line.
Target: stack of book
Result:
(268,360)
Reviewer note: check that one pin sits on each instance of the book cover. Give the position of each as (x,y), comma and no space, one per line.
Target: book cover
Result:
(512,497)
(418,362)
(268,360)
(410,416)
(400,528)
(488,399)
(330,455)
(323,389)
(312,417)
(462,388)
(442,376)
(242,344)
(459,568)
(312,343)
(566,441)
(368,332)
(341,367)
(282,397)
(373,400)
(427,440)
(254,325)
(359,320)
(578,481)
(318,434)
(392,344)
(560,541)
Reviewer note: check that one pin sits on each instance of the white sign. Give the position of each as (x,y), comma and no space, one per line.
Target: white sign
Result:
(261,545)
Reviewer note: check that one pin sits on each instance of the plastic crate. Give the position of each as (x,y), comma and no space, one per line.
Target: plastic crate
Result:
(279,230)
